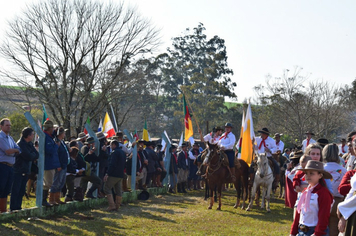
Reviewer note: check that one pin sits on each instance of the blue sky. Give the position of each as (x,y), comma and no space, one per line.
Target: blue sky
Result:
(262,36)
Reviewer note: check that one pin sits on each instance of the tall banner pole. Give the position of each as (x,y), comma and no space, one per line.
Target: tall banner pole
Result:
(134,160)
(113,115)
(40,161)
(167,159)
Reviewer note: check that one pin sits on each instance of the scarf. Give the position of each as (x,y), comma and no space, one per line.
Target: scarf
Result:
(175,157)
(342,148)
(224,136)
(305,198)
(262,142)
(308,142)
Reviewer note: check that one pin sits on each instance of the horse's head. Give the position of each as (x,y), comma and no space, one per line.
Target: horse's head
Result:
(262,164)
(214,150)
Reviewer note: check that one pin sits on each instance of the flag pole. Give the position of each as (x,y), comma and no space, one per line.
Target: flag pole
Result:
(193,114)
(113,114)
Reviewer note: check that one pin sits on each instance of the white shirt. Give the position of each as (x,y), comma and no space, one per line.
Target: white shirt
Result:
(227,141)
(350,163)
(209,138)
(346,149)
(280,146)
(305,142)
(337,172)
(348,206)
(191,156)
(270,143)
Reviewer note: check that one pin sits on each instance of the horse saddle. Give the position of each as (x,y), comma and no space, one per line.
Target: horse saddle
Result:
(271,165)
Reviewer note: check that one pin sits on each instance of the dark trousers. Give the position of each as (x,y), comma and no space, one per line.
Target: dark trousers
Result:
(18,191)
(6,179)
(230,155)
(70,185)
(277,170)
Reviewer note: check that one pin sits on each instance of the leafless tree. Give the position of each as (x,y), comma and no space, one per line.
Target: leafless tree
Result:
(64,51)
(290,105)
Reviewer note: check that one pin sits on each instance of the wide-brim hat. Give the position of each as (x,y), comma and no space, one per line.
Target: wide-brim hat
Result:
(48,124)
(317,166)
(296,155)
(90,140)
(228,125)
(184,145)
(277,135)
(309,132)
(264,131)
(141,141)
(342,140)
(144,195)
(100,135)
(322,142)
(114,138)
(81,136)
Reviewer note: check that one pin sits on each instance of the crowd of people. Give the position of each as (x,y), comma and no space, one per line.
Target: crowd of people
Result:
(320,183)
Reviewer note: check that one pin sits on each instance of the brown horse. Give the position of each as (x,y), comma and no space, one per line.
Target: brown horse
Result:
(218,174)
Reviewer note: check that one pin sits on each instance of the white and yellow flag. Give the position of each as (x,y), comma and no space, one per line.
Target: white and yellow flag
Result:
(247,153)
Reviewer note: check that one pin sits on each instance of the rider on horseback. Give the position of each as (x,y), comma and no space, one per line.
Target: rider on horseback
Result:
(226,143)
(213,138)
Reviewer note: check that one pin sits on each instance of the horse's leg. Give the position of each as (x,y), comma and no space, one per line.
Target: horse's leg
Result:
(211,197)
(253,192)
(215,195)
(264,190)
(219,196)
(269,189)
(238,194)
(257,196)
(206,190)
(245,188)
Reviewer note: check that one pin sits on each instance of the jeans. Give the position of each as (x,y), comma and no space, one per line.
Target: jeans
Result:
(231,156)
(6,179)
(18,190)
(59,180)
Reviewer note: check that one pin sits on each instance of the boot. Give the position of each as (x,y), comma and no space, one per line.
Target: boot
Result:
(195,184)
(232,169)
(90,193)
(124,186)
(170,190)
(189,183)
(3,205)
(179,187)
(78,194)
(183,187)
(68,199)
(57,198)
(112,206)
(118,202)
(44,199)
(52,201)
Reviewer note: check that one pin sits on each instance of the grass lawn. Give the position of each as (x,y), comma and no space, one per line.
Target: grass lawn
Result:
(162,215)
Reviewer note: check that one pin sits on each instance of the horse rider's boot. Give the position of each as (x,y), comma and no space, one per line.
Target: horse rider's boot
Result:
(179,189)
(112,206)
(3,204)
(118,201)
(206,172)
(183,187)
(233,173)
(276,180)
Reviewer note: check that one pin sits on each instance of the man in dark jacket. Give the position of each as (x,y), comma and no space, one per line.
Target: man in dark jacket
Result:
(183,168)
(52,163)
(22,167)
(114,176)
(173,169)
(152,159)
(88,150)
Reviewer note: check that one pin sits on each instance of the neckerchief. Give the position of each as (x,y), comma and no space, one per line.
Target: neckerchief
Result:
(305,198)
(224,136)
(308,142)
(262,142)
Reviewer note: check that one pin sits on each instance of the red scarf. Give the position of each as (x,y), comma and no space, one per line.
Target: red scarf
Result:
(277,143)
(175,157)
(224,135)
(186,155)
(342,148)
(262,142)
(308,142)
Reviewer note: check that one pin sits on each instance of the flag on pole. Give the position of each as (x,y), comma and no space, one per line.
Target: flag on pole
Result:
(45,115)
(188,131)
(239,143)
(180,140)
(191,140)
(108,128)
(88,122)
(136,135)
(247,153)
(145,135)
(100,127)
